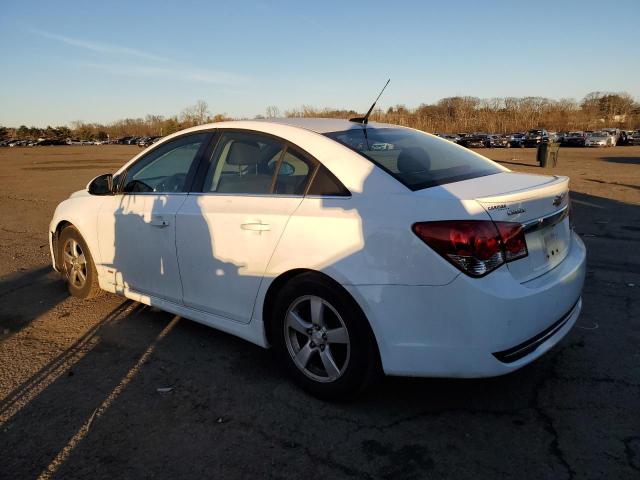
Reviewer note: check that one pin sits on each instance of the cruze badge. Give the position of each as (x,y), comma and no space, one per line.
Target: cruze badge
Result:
(502,206)
(516,211)
(558,200)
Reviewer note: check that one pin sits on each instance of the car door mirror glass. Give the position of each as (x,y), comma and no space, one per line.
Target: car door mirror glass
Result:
(101,185)
(286,169)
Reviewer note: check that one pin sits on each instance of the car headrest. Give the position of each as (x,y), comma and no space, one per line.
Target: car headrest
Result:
(413,160)
(243,152)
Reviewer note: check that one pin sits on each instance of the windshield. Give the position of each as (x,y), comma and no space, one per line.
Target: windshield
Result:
(599,134)
(414,158)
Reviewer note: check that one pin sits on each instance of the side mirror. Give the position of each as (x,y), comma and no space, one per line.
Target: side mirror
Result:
(286,169)
(101,185)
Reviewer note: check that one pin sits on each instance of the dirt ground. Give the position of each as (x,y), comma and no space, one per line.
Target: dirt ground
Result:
(79,379)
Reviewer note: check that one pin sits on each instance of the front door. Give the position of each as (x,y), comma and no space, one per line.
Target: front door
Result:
(137,227)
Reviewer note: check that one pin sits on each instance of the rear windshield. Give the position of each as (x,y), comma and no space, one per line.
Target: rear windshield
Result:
(414,158)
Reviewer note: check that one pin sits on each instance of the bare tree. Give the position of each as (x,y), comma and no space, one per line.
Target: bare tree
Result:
(196,114)
(272,112)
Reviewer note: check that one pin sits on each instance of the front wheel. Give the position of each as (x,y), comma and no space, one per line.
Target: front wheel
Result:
(323,339)
(77,264)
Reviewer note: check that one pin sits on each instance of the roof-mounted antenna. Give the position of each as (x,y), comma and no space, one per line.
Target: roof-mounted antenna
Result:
(364,120)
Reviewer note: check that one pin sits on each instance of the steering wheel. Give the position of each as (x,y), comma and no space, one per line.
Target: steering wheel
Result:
(137,186)
(172,183)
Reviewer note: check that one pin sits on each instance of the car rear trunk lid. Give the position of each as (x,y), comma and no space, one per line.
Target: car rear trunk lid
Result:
(542,206)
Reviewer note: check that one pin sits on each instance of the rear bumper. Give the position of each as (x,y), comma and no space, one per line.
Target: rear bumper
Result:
(456,330)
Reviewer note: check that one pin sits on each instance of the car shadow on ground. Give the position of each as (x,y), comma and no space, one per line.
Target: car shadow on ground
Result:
(625,160)
(25,295)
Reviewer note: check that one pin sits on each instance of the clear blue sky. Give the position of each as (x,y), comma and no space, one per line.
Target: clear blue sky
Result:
(101,61)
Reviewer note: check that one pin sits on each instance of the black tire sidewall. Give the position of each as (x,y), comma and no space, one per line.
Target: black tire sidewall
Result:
(91,282)
(363,355)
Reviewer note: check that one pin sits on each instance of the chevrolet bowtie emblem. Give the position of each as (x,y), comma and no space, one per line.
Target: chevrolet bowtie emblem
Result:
(558,199)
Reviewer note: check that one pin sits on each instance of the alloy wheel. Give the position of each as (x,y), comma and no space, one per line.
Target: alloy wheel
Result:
(317,339)
(75,263)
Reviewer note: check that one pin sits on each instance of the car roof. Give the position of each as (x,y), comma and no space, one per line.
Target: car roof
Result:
(320,125)
(317,125)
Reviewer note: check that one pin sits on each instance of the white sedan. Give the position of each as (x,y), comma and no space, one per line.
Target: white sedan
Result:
(421,258)
(599,139)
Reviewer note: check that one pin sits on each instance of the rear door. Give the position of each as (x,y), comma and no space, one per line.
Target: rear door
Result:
(227,231)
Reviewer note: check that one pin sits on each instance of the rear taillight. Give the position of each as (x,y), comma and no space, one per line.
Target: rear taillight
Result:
(513,241)
(476,247)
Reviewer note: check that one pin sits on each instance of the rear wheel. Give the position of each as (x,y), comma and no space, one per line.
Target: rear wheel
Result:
(323,339)
(77,264)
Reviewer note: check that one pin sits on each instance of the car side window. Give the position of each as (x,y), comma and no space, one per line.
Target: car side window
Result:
(243,163)
(324,183)
(251,163)
(293,173)
(165,169)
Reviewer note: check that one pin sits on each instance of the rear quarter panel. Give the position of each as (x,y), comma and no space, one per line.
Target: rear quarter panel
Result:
(367,239)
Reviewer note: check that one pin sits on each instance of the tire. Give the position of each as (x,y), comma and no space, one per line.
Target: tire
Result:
(330,353)
(77,264)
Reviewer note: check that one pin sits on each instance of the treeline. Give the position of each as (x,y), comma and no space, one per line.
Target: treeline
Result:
(150,125)
(448,115)
(504,115)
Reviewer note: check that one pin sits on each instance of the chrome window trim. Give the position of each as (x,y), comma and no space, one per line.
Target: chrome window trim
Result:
(150,193)
(335,197)
(269,195)
(220,194)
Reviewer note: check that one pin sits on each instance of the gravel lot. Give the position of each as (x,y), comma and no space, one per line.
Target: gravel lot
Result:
(79,379)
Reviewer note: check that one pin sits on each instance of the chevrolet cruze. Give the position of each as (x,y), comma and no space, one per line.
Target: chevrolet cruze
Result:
(350,248)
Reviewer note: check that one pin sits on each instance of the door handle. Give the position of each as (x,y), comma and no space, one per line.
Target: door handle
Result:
(256,227)
(159,222)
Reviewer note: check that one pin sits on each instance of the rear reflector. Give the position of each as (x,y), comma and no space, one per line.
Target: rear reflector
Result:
(476,247)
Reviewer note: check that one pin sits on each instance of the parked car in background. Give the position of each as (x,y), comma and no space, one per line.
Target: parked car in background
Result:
(516,140)
(474,140)
(599,139)
(19,143)
(633,138)
(615,134)
(422,259)
(573,139)
(452,137)
(497,141)
(625,137)
(535,137)
(50,141)
(146,141)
